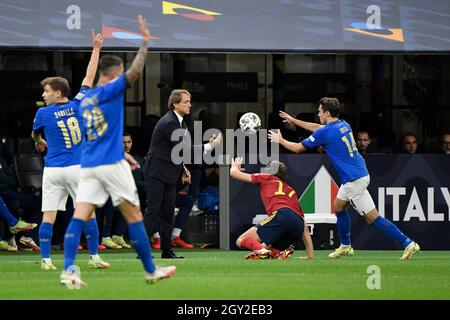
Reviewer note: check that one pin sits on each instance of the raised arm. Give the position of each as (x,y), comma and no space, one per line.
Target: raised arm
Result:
(276,137)
(310,126)
(236,171)
(97,42)
(137,66)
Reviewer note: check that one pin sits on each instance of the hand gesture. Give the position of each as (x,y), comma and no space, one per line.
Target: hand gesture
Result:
(186,177)
(144,29)
(236,164)
(41,145)
(97,40)
(215,140)
(287,118)
(275,136)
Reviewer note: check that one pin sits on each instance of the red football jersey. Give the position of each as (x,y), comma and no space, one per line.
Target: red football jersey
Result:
(276,194)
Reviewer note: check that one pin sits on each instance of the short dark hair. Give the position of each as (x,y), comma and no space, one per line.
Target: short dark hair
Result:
(127,133)
(175,97)
(406,135)
(281,169)
(57,84)
(108,62)
(402,137)
(331,105)
(363,131)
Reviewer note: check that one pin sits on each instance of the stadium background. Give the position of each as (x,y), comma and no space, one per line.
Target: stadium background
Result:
(237,56)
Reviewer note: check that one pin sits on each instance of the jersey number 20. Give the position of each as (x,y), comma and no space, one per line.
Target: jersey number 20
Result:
(73,127)
(94,120)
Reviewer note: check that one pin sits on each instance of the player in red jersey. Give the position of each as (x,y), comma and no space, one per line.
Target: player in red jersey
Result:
(273,237)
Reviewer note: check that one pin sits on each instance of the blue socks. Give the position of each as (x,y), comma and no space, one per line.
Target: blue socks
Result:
(140,242)
(71,241)
(91,231)
(45,239)
(343,226)
(5,214)
(391,231)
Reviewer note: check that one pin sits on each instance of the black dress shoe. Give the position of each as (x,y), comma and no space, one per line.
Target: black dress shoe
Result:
(169,254)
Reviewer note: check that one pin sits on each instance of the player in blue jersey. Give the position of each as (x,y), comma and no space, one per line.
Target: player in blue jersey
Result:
(104,171)
(336,137)
(60,121)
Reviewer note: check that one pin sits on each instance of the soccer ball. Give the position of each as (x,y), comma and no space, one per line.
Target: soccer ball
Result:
(250,123)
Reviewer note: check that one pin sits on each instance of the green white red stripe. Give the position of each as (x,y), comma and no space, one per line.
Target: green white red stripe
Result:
(318,197)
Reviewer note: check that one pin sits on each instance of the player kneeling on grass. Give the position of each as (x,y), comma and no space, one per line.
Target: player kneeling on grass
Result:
(272,238)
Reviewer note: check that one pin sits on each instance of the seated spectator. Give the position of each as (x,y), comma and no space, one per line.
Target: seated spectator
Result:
(444,143)
(363,142)
(138,175)
(408,143)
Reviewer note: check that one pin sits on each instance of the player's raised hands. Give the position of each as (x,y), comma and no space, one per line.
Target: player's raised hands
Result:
(97,40)
(275,136)
(286,117)
(144,29)
(236,171)
(236,164)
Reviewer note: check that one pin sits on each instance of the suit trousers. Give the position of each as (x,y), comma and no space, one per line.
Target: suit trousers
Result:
(160,209)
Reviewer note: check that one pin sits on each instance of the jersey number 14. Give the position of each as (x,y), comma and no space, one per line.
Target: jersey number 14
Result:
(351,145)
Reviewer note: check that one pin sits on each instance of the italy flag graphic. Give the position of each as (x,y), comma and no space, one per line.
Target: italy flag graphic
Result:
(319,195)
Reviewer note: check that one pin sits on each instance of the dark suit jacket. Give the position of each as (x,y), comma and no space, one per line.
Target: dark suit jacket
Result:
(158,161)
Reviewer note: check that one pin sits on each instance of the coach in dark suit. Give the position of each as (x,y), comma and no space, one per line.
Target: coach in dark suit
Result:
(162,174)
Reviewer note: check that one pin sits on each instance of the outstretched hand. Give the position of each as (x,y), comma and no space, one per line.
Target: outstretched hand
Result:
(97,40)
(275,136)
(236,164)
(287,118)
(144,29)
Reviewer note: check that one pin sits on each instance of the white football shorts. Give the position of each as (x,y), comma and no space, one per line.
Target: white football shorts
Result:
(357,194)
(57,184)
(115,180)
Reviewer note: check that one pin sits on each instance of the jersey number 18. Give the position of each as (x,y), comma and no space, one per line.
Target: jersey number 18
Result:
(73,127)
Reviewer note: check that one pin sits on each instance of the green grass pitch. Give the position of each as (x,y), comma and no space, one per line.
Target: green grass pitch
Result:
(224,275)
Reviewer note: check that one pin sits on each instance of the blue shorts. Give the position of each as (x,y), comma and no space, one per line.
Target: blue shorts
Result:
(281,229)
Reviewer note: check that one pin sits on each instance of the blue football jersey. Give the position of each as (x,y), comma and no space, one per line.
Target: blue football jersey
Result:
(63,131)
(338,141)
(102,111)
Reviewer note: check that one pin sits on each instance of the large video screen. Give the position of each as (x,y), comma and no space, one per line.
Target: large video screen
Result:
(231,25)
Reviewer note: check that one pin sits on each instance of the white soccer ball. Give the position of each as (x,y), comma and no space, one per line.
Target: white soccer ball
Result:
(250,122)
